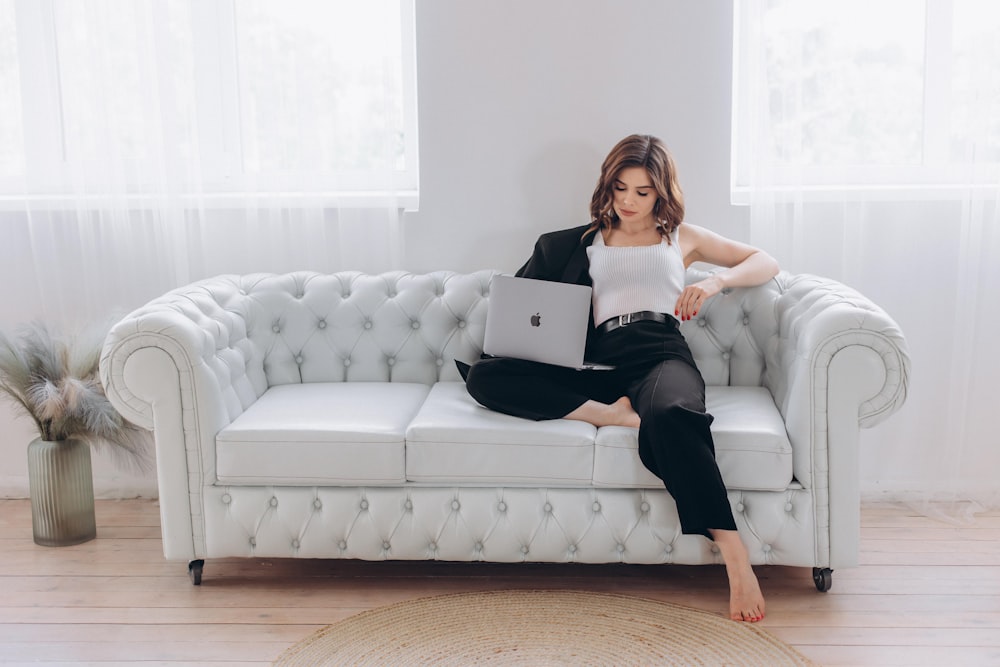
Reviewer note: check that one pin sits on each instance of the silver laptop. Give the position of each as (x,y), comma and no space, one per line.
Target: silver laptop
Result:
(538,320)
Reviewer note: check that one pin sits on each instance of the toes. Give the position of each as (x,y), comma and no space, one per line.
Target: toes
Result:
(748,616)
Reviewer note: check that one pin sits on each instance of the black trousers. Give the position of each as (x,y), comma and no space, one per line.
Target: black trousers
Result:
(655,369)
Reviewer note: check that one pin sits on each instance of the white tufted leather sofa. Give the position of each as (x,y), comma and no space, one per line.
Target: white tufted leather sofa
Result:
(322,416)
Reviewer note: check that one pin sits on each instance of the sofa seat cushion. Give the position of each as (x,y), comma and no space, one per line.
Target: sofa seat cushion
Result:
(454,440)
(751,445)
(324,433)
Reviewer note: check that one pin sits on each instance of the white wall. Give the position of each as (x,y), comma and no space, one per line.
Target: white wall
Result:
(519,102)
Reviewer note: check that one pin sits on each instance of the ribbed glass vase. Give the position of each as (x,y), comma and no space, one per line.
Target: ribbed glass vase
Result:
(61,483)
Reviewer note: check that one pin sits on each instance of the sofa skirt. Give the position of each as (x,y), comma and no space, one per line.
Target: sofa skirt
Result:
(563,525)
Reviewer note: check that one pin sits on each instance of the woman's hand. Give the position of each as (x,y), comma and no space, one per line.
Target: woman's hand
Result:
(695,295)
(745,266)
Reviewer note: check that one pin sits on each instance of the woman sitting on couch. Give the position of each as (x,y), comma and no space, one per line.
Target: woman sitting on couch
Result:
(634,253)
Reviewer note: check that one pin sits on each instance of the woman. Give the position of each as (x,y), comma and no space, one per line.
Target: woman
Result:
(634,253)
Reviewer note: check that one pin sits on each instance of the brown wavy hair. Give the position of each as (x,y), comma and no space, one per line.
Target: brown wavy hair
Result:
(648,152)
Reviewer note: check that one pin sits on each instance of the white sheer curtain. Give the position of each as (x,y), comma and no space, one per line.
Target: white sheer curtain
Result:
(148,143)
(867,145)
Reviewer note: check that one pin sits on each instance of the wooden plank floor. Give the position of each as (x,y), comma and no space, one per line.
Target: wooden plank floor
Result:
(927,593)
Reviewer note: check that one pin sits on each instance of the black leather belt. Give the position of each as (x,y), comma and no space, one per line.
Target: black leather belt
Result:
(629,318)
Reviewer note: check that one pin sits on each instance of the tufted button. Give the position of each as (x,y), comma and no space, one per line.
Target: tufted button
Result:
(746,321)
(408,505)
(299,359)
(524,550)
(368,324)
(274,501)
(253,541)
(318,504)
(299,295)
(226,499)
(295,544)
(346,294)
(432,546)
(461,324)
(347,361)
(644,507)
(321,324)
(455,505)
(740,507)
(788,507)
(668,549)
(726,355)
(715,549)
(766,548)
(479,546)
(702,322)
(243,292)
(342,545)
(276,329)
(386,545)
(620,548)
(391,361)
(501,506)
(596,507)
(364,504)
(439,361)
(548,508)
(571,548)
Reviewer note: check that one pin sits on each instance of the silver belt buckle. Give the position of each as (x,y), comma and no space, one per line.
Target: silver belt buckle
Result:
(624,319)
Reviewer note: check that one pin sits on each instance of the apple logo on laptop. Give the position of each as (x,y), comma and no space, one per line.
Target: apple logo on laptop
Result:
(536,320)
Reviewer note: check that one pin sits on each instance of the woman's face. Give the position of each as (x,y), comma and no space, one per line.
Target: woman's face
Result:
(634,196)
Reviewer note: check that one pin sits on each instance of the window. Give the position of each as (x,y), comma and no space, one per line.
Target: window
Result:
(301,97)
(866,93)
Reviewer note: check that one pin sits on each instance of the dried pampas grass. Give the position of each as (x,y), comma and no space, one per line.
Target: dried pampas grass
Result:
(55,381)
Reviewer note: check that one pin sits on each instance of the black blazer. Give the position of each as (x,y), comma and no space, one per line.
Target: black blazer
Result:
(562,257)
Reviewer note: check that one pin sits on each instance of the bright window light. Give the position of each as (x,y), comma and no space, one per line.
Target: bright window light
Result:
(208,97)
(865,93)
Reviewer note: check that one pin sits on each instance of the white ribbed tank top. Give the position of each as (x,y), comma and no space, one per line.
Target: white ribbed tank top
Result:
(632,278)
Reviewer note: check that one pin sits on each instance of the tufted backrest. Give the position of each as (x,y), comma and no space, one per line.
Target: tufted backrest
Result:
(349,326)
(404,327)
(734,334)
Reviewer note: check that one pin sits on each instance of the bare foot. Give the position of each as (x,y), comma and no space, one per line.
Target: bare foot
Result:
(625,414)
(746,602)
(619,413)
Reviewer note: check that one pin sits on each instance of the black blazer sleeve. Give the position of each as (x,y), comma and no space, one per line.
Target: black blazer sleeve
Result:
(561,257)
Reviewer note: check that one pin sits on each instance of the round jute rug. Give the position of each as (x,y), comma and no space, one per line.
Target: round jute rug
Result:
(539,628)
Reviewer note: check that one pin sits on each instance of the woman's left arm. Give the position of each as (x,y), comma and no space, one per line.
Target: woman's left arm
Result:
(744,264)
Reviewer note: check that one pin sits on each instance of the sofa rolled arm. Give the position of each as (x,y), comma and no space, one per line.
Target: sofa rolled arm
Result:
(838,363)
(819,317)
(183,367)
(191,326)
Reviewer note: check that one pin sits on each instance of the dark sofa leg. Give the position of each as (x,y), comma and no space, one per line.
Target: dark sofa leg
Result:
(195,568)
(823,578)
